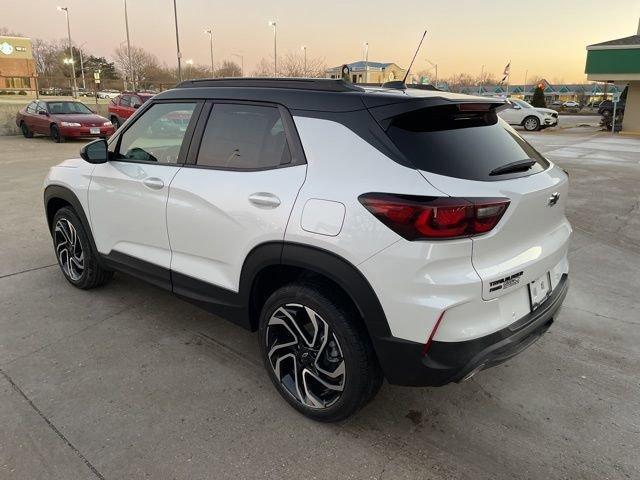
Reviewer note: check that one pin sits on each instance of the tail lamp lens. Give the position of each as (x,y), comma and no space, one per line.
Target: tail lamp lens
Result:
(418,218)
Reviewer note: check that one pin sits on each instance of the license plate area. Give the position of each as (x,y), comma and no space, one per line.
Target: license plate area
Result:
(94,131)
(539,290)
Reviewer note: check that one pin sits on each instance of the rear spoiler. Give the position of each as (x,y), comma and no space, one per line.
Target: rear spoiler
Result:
(384,114)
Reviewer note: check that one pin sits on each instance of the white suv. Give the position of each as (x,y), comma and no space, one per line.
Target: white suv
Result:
(519,112)
(368,233)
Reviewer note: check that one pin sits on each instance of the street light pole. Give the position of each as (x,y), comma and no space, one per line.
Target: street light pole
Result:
(84,86)
(241,57)
(189,63)
(480,82)
(366,62)
(175,15)
(210,32)
(73,66)
(273,24)
(126,24)
(304,49)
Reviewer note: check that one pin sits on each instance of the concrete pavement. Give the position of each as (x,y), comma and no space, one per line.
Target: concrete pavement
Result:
(130,382)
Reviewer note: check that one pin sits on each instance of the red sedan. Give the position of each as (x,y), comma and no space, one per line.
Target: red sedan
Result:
(62,119)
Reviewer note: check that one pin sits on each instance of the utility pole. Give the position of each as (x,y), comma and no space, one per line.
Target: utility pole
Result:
(366,62)
(273,24)
(73,66)
(524,92)
(304,49)
(179,54)
(126,24)
(210,32)
(241,57)
(481,80)
(84,86)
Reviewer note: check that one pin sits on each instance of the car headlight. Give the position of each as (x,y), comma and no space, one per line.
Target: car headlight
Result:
(70,124)
(107,124)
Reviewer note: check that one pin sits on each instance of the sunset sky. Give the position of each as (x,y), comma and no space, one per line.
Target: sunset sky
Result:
(545,38)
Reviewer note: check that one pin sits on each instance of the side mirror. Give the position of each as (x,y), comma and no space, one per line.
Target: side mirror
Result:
(137,105)
(43,112)
(95,152)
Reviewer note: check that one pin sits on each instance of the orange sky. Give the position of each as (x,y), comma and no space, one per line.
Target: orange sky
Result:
(548,39)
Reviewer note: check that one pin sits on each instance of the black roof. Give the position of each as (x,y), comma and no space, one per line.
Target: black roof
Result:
(311,94)
(633,40)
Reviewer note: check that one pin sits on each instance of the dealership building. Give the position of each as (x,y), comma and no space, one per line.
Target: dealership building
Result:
(369,72)
(17,67)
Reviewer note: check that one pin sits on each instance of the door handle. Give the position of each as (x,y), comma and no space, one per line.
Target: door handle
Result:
(264,200)
(154,183)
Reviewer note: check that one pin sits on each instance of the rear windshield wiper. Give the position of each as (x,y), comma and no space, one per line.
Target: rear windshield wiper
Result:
(518,166)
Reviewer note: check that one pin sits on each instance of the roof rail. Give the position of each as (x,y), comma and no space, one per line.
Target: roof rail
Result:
(319,84)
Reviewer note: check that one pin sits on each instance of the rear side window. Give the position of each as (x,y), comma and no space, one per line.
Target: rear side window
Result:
(125,101)
(244,137)
(462,144)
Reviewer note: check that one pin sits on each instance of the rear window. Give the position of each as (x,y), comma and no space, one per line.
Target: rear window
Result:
(462,144)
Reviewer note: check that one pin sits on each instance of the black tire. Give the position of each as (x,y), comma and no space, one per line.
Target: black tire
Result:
(115,122)
(362,375)
(25,130)
(92,274)
(531,124)
(55,134)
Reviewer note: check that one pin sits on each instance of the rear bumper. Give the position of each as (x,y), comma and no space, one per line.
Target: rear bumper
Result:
(446,362)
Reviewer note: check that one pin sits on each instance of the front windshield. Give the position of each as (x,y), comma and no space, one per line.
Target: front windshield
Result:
(64,108)
(522,103)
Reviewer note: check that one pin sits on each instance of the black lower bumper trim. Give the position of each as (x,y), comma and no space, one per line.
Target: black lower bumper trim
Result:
(446,362)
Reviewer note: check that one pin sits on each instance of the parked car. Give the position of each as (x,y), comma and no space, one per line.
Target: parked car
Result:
(556,103)
(62,119)
(108,93)
(593,104)
(124,105)
(571,104)
(519,112)
(606,106)
(360,231)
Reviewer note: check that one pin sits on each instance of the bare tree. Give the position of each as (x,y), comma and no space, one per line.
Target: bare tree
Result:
(228,69)
(144,67)
(292,65)
(264,68)
(4,31)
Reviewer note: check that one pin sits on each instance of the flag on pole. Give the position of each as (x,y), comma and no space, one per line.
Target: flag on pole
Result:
(506,72)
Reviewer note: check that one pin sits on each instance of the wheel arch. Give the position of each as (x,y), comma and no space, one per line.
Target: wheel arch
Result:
(57,197)
(270,266)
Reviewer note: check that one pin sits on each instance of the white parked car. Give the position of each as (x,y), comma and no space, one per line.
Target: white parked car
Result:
(364,233)
(571,104)
(108,93)
(519,112)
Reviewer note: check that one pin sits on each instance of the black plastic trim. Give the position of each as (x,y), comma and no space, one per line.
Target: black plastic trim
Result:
(154,274)
(447,362)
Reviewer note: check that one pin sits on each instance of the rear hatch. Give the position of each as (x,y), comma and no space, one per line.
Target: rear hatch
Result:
(464,150)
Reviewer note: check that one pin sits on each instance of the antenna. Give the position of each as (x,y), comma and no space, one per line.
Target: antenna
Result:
(414,57)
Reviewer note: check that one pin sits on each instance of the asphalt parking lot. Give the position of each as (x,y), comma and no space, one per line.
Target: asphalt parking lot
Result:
(130,382)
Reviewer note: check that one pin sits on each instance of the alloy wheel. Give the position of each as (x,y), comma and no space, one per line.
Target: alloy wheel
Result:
(531,124)
(69,249)
(305,356)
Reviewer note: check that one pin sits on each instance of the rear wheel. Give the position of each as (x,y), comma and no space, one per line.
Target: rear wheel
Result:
(75,256)
(531,124)
(317,353)
(25,130)
(56,136)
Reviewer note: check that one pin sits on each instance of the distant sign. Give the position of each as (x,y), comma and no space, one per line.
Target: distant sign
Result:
(6,48)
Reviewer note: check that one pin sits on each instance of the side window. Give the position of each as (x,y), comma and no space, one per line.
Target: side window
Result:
(114,101)
(245,137)
(41,107)
(125,101)
(157,134)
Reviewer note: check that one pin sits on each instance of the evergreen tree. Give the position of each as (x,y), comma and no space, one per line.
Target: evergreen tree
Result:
(538,98)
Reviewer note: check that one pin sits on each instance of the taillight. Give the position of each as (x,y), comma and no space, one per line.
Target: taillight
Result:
(416,218)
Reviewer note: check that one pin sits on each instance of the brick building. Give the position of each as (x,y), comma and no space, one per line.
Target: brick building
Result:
(17,67)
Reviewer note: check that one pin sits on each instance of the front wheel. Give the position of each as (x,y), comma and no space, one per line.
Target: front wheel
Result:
(317,353)
(531,124)
(73,251)
(115,122)
(56,136)
(26,133)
